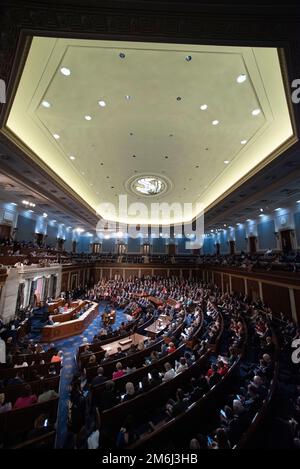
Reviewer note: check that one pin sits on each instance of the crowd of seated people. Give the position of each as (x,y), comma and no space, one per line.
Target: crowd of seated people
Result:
(195,304)
(269,261)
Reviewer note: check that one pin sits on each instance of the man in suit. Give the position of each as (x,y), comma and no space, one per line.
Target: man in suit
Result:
(100,378)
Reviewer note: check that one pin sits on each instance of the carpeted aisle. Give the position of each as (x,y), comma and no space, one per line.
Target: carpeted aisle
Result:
(69,348)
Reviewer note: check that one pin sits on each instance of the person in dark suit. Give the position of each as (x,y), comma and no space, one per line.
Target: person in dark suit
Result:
(119,355)
(100,378)
(108,397)
(215,377)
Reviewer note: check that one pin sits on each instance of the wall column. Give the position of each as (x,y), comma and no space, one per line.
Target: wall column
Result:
(260,291)
(230,284)
(246,286)
(293,305)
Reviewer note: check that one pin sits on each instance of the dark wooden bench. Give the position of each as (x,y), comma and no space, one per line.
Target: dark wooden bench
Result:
(12,392)
(136,376)
(42,370)
(199,416)
(247,439)
(15,424)
(136,358)
(140,407)
(46,441)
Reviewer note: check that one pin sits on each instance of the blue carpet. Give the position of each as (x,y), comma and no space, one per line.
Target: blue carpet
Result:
(69,348)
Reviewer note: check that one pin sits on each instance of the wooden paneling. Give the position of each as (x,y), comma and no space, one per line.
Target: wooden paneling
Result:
(65,281)
(97,275)
(174,272)
(278,298)
(297,302)
(146,272)
(253,289)
(131,273)
(226,283)
(186,273)
(105,273)
(237,284)
(116,273)
(81,278)
(218,279)
(160,272)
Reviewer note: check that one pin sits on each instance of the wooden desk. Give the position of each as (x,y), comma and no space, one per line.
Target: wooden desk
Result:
(69,328)
(158,326)
(69,314)
(135,339)
(155,301)
(55,304)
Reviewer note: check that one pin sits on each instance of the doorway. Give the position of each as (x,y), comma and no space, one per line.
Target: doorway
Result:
(172,249)
(286,241)
(252,244)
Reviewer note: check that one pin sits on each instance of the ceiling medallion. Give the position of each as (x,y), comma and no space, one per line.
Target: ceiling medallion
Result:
(148,185)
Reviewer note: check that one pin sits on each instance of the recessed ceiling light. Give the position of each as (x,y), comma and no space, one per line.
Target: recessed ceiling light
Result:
(298,201)
(166,157)
(128,97)
(243,142)
(13,203)
(45,215)
(249,219)
(133,156)
(56,136)
(122,55)
(72,157)
(112,187)
(65,71)
(107,177)
(241,78)
(31,211)
(102,103)
(215,122)
(225,225)
(197,166)
(188,58)
(46,104)
(261,215)
(226,161)
(88,118)
(170,135)
(261,209)
(256,112)
(131,133)
(277,209)
(203,107)
(178,98)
